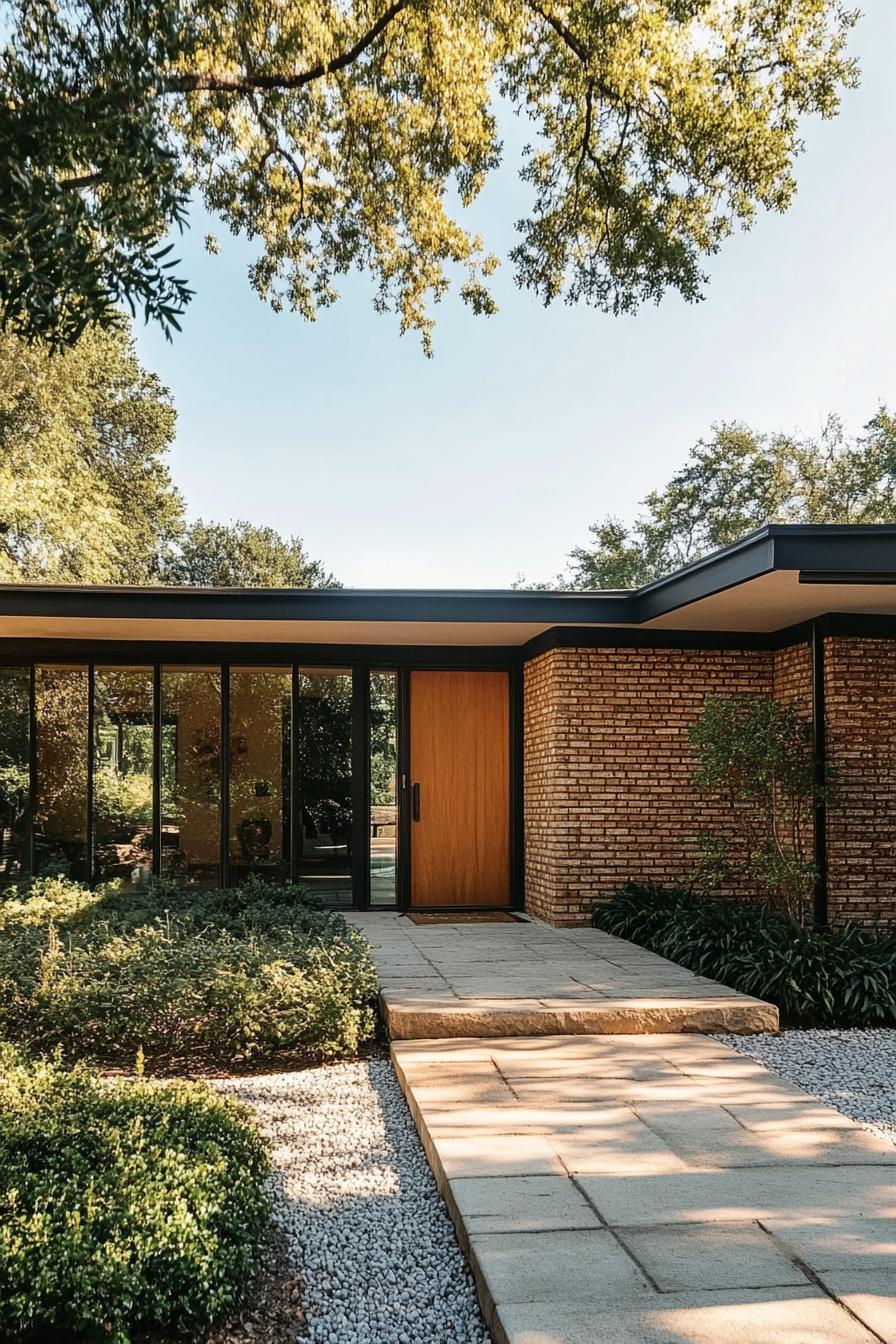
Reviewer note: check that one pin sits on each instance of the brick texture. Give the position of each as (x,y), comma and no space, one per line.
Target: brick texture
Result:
(860,714)
(608,765)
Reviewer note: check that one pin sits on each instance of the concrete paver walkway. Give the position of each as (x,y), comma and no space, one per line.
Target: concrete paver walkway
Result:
(529,979)
(654,1189)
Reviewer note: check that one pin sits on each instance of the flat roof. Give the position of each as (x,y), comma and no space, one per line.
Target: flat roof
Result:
(778,576)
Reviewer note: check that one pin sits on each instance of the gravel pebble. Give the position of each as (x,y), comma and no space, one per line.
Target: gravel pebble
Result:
(854,1071)
(377,1255)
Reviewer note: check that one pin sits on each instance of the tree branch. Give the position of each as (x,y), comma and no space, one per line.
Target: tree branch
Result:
(80,183)
(565,34)
(210,81)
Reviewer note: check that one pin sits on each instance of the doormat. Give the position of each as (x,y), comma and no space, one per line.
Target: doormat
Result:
(464,917)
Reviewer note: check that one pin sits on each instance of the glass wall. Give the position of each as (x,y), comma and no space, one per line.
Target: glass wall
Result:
(191,774)
(324,782)
(122,775)
(383,787)
(60,805)
(15,772)
(259,759)
(260,725)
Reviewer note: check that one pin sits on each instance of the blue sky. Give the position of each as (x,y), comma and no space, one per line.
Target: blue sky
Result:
(492,458)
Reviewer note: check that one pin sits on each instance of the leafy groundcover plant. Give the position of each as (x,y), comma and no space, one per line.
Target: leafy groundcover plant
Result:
(193,979)
(125,1205)
(844,976)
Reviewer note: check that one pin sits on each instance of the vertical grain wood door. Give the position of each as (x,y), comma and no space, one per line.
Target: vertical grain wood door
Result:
(460,788)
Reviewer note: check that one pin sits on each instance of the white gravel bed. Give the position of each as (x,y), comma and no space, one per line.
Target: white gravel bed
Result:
(376,1252)
(854,1071)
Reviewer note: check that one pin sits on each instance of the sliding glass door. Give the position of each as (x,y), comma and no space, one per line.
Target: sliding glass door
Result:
(15,772)
(383,809)
(260,783)
(61,813)
(190,793)
(324,782)
(122,837)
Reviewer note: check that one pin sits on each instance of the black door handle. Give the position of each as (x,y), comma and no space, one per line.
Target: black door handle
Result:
(415,802)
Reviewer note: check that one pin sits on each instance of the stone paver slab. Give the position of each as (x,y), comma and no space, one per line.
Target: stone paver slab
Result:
(870,1295)
(848,1244)
(522,1204)
(736,1195)
(711,1257)
(484,1155)
(763,1316)
(714,1136)
(620,1147)
(579,1266)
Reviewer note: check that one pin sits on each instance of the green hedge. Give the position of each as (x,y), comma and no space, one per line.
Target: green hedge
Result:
(124,1205)
(821,977)
(191,978)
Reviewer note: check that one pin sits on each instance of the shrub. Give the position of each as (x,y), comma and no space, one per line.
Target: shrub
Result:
(210,978)
(758,756)
(124,1205)
(821,977)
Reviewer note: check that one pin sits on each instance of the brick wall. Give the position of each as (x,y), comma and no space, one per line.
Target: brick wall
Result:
(860,714)
(793,677)
(608,765)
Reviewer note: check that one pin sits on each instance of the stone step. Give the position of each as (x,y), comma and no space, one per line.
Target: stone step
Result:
(428,1018)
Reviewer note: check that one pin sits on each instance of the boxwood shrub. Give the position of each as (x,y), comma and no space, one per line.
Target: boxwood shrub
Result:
(125,1205)
(191,978)
(843,976)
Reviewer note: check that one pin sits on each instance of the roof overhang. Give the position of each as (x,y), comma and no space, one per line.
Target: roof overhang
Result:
(777,577)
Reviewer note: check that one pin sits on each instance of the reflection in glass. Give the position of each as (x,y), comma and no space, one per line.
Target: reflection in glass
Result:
(191,774)
(122,775)
(15,732)
(60,811)
(383,786)
(260,699)
(325,782)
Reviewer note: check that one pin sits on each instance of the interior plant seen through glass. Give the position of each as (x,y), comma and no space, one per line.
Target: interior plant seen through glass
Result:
(325,782)
(60,806)
(15,734)
(260,744)
(383,786)
(191,774)
(122,775)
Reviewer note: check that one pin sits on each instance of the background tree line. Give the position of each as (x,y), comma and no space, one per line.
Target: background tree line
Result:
(734,481)
(86,495)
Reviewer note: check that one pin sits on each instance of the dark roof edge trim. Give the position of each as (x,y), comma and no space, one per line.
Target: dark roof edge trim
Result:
(865,553)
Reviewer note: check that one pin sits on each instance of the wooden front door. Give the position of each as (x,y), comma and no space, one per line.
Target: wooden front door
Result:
(460,788)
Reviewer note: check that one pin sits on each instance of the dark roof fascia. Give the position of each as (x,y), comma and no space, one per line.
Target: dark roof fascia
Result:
(331,604)
(736,564)
(864,553)
(820,553)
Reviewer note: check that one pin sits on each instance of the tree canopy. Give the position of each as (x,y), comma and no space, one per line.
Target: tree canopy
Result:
(738,480)
(341,134)
(85,492)
(241,555)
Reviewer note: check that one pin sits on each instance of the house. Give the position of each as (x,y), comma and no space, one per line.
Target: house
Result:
(442,749)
